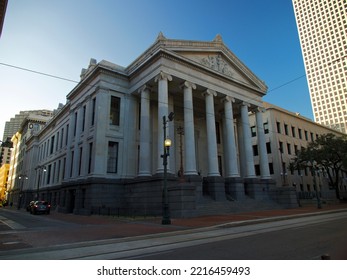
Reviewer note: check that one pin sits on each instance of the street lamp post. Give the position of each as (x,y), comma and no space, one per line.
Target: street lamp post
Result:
(166,220)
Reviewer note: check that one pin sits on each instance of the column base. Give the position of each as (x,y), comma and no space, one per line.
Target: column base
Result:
(258,188)
(235,188)
(214,186)
(195,180)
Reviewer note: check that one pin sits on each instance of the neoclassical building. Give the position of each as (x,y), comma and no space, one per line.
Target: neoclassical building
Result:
(103,150)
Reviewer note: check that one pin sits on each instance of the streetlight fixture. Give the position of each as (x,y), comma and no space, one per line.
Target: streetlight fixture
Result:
(167,144)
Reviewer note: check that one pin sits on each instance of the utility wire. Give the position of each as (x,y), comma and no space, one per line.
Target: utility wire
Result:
(76,82)
(39,73)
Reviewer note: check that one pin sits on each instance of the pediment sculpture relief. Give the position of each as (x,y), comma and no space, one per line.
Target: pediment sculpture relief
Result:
(217,63)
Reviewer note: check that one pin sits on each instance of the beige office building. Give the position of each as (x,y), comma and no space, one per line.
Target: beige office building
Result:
(322,29)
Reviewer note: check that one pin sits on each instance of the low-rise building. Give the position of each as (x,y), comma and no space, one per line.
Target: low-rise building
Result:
(285,134)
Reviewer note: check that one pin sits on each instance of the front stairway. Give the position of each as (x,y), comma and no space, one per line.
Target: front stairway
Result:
(208,207)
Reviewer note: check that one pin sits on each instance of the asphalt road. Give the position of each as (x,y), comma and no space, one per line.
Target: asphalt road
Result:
(305,242)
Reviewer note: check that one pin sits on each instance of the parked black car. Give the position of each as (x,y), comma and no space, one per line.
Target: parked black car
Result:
(40,207)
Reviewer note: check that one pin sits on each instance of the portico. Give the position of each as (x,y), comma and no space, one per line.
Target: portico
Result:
(211,94)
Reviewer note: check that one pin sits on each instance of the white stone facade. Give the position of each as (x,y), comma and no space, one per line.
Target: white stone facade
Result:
(101,152)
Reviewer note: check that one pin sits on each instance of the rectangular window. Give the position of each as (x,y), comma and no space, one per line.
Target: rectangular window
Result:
(72,160)
(278,124)
(300,133)
(53,173)
(286,129)
(281,147)
(52,145)
(84,117)
(80,161)
(62,138)
(75,124)
(58,171)
(115,110)
(63,167)
(90,157)
(112,157)
(271,168)
(57,143)
(268,147)
(218,133)
(266,128)
(255,150)
(289,148)
(93,111)
(67,135)
(293,131)
(253,131)
(48,178)
(257,169)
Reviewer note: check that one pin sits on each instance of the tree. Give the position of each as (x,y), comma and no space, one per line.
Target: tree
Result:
(328,153)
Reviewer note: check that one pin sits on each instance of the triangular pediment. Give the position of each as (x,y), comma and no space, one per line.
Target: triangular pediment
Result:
(215,56)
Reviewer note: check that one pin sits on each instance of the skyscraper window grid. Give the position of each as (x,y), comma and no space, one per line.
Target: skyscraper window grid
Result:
(322,29)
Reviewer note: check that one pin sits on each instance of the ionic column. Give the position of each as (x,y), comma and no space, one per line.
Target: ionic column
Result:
(189,139)
(231,155)
(264,162)
(163,110)
(211,134)
(145,138)
(246,131)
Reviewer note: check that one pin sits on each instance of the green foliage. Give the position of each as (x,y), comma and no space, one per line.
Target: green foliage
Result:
(328,153)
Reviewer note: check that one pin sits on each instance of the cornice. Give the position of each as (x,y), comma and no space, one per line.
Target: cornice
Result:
(87,81)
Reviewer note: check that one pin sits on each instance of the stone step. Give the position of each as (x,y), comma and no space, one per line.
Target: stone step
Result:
(209,207)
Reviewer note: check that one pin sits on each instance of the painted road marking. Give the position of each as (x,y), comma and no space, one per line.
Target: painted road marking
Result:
(10,223)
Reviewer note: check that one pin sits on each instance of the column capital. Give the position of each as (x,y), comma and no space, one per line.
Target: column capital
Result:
(145,88)
(260,109)
(163,76)
(228,99)
(188,84)
(209,92)
(244,103)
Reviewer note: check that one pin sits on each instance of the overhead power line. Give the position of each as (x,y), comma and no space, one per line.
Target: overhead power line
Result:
(38,72)
(76,82)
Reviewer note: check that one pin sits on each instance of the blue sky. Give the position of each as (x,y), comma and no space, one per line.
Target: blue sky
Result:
(59,38)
